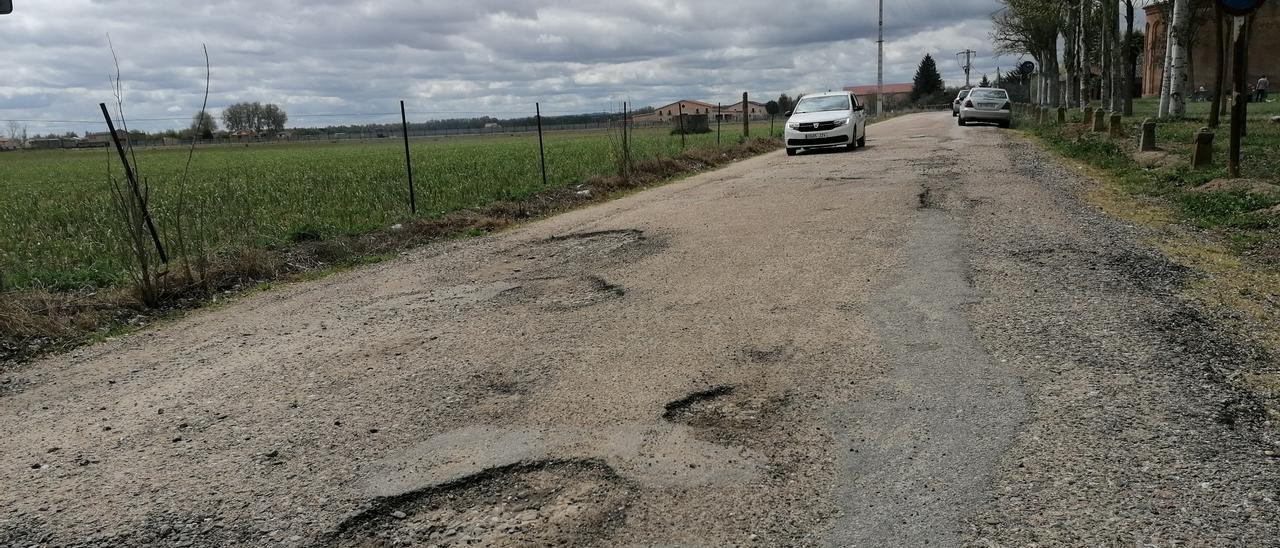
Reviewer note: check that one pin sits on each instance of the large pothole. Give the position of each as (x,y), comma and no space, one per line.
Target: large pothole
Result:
(564,293)
(542,503)
(574,254)
(727,413)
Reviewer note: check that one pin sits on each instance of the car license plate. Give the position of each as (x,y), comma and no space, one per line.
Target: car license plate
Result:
(816,136)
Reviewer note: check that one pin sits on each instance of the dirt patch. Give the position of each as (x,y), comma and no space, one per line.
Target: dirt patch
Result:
(543,503)
(772,354)
(1143,269)
(927,199)
(1252,186)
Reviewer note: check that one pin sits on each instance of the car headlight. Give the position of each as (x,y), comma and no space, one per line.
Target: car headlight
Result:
(793,125)
(839,123)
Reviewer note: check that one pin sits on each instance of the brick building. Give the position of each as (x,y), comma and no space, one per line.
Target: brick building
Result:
(1263,46)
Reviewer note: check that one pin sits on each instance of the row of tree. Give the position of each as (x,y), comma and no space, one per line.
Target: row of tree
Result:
(1092,35)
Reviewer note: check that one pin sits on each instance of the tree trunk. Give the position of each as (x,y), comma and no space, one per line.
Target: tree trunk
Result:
(1219,73)
(1128,58)
(1086,72)
(1070,57)
(1055,90)
(1178,79)
(1168,62)
(1107,58)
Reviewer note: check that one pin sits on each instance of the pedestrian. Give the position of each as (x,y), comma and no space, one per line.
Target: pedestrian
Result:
(1201,95)
(1262,86)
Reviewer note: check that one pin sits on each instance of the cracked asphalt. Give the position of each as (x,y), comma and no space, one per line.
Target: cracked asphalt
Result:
(928,341)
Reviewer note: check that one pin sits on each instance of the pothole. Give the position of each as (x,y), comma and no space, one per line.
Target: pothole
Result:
(565,293)
(584,251)
(770,354)
(540,503)
(727,412)
(927,198)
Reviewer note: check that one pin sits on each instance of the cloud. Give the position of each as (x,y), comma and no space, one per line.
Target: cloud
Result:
(447,58)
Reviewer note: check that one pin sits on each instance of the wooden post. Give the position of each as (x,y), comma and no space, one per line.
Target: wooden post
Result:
(133,185)
(542,151)
(408,163)
(746,120)
(1240,49)
(719,117)
(680,111)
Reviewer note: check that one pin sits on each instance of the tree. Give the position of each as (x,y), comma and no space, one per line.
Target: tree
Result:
(203,125)
(1178,62)
(985,83)
(1031,27)
(785,103)
(772,108)
(17,132)
(927,82)
(254,117)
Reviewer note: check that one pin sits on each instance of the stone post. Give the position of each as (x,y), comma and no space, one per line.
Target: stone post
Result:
(1062,116)
(1202,157)
(1148,142)
(1116,126)
(1099,121)
(1088,115)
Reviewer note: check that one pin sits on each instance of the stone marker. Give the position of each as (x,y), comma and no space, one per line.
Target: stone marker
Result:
(1088,115)
(1099,121)
(1148,142)
(1202,157)
(1117,126)
(1062,115)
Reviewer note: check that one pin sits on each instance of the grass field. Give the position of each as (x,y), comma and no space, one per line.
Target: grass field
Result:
(58,226)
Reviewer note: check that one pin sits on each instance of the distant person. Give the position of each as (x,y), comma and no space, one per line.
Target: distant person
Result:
(1261,88)
(1201,95)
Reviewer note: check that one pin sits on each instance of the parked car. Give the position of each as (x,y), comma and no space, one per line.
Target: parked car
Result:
(824,120)
(986,105)
(955,105)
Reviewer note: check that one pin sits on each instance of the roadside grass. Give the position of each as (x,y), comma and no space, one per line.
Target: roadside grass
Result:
(291,212)
(1228,235)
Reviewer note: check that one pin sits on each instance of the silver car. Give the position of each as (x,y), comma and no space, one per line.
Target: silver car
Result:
(955,105)
(986,105)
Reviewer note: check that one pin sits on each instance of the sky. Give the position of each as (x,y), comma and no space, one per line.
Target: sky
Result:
(330,62)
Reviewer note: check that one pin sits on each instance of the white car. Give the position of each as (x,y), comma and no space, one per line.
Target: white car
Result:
(990,105)
(824,120)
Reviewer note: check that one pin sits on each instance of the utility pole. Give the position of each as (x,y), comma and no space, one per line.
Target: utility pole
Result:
(968,63)
(880,65)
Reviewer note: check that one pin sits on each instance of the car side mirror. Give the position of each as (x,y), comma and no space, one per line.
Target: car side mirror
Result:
(787,113)
(858,108)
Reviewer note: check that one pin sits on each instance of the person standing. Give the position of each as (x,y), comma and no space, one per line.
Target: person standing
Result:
(1261,88)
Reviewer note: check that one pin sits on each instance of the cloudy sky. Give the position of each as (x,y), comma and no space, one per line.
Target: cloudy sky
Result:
(331,62)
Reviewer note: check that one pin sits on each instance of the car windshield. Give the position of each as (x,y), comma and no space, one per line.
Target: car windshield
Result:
(989,94)
(822,104)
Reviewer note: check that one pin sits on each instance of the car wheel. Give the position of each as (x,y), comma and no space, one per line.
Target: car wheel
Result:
(959,121)
(792,151)
(862,141)
(955,114)
(1004,124)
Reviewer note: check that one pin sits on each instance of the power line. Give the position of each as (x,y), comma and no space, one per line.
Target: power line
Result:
(968,63)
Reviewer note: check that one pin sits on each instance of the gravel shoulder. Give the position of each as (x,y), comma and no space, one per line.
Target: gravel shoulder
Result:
(902,345)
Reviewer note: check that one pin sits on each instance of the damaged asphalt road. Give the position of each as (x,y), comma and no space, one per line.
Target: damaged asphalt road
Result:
(897,346)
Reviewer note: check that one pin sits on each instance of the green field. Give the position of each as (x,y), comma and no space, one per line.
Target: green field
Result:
(59,229)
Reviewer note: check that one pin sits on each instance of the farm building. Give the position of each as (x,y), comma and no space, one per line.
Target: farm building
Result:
(893,94)
(104,136)
(6,144)
(735,111)
(667,113)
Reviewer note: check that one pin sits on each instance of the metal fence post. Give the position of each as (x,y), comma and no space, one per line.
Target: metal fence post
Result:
(408,162)
(133,184)
(542,151)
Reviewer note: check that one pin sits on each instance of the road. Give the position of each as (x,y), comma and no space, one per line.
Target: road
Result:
(928,341)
